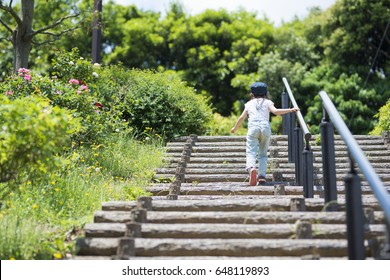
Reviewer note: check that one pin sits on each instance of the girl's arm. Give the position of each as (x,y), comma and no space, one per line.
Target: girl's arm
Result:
(239,121)
(276,111)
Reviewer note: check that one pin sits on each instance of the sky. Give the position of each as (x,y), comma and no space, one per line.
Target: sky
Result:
(277,11)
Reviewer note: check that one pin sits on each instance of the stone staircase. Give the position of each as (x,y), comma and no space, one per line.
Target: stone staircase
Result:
(201,206)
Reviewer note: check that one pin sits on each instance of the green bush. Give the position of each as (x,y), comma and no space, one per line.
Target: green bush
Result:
(221,125)
(31,134)
(383,117)
(154,103)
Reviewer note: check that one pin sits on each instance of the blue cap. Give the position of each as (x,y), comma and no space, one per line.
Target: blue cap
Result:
(259,88)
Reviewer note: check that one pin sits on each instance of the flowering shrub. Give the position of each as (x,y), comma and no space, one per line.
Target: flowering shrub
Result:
(113,99)
(70,66)
(97,120)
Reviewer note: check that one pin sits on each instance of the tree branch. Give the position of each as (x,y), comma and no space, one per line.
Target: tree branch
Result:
(36,43)
(5,39)
(6,25)
(56,23)
(11,12)
(55,35)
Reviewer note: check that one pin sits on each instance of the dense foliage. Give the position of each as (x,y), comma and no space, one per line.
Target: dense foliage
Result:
(343,50)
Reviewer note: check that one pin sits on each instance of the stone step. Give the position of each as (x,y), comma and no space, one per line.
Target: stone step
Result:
(219,247)
(288,188)
(369,201)
(189,178)
(283,154)
(242,149)
(201,139)
(281,140)
(281,159)
(243,189)
(289,170)
(224,231)
(282,165)
(202,258)
(202,171)
(274,145)
(236,217)
(239,203)
(361,139)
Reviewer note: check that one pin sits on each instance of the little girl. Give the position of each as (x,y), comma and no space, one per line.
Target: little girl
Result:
(259,130)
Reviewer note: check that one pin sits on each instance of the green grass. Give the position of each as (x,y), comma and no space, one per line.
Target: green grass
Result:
(42,220)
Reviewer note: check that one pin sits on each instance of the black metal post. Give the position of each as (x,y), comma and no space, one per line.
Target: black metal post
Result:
(354,211)
(285,123)
(96,31)
(293,138)
(307,162)
(328,163)
(287,128)
(385,253)
(298,156)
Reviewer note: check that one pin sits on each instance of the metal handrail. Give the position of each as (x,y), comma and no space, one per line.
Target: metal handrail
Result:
(358,156)
(301,156)
(301,121)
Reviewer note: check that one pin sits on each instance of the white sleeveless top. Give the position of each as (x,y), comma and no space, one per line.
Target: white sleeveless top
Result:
(258,109)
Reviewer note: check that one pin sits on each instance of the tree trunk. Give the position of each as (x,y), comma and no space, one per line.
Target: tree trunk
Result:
(22,37)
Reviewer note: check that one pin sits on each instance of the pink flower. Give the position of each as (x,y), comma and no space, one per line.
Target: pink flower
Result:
(83,87)
(78,92)
(23,71)
(27,77)
(58,92)
(74,82)
(9,92)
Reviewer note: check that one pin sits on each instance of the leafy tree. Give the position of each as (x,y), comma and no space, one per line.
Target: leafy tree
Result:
(22,31)
(383,116)
(352,101)
(347,38)
(354,30)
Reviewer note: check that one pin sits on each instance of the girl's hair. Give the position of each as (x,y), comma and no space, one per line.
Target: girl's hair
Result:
(265,96)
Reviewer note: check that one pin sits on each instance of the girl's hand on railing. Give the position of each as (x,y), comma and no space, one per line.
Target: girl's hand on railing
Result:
(295,109)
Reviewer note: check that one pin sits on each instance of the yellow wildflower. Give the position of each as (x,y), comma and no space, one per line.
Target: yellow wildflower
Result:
(57,256)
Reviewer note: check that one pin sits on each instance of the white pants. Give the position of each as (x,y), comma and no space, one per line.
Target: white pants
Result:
(257,142)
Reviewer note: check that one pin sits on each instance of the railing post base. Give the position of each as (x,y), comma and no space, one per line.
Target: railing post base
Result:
(355,220)
(328,162)
(307,158)
(298,156)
